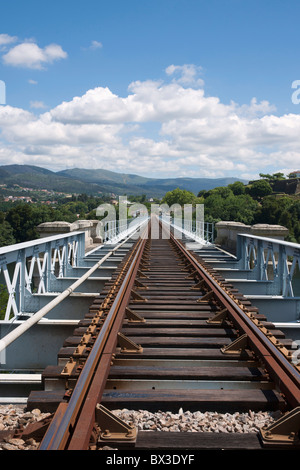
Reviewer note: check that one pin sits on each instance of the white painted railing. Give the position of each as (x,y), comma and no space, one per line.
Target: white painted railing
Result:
(34,266)
(68,246)
(201,232)
(269,259)
(115,230)
(27,267)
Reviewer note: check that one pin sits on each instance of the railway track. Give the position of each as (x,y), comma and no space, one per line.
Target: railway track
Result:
(166,333)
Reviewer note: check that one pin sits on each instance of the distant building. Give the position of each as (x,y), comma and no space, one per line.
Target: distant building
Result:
(18,198)
(294,174)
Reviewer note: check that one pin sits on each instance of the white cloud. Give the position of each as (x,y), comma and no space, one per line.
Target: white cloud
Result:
(254,109)
(96,45)
(149,101)
(30,55)
(6,39)
(158,129)
(187,74)
(10,116)
(37,104)
(98,105)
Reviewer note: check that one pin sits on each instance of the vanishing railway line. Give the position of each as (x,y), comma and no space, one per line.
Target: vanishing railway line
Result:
(168,332)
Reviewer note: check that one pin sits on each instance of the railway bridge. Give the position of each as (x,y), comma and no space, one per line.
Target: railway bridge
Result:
(151,320)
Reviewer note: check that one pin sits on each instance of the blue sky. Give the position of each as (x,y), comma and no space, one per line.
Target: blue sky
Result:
(163,88)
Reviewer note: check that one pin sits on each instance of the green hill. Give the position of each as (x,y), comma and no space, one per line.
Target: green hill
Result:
(41,178)
(88,181)
(120,183)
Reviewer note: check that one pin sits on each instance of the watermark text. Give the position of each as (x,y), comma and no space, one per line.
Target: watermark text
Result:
(2,92)
(183,216)
(296,93)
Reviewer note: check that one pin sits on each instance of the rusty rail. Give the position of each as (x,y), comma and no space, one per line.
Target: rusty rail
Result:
(73,422)
(279,366)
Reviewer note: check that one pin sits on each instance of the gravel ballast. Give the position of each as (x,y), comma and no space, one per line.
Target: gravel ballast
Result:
(13,417)
(197,421)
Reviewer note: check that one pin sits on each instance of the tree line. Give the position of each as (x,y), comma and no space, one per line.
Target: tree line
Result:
(19,221)
(250,204)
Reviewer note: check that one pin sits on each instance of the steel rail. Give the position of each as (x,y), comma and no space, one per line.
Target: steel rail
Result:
(73,422)
(284,374)
(81,434)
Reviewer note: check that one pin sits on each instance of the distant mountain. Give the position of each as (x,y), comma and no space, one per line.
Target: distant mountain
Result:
(100,175)
(88,181)
(25,169)
(40,178)
(134,184)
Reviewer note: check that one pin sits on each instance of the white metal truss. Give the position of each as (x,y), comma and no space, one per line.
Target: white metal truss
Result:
(25,267)
(270,259)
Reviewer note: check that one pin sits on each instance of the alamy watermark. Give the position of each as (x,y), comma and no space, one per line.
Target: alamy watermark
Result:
(2,92)
(183,217)
(296,93)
